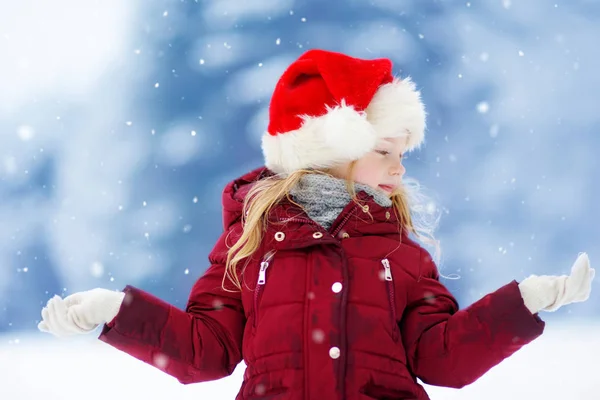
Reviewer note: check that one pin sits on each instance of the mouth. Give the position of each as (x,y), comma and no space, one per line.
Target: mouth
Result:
(387,188)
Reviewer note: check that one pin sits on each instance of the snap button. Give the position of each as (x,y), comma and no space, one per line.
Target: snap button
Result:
(317,235)
(336,287)
(365,208)
(345,235)
(334,352)
(387,215)
(279,236)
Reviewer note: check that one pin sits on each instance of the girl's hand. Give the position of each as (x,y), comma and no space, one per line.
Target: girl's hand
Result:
(549,293)
(80,312)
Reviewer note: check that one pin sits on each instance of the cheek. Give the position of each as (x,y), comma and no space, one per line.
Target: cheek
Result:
(367,173)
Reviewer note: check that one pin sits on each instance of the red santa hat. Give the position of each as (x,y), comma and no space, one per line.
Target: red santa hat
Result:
(329,108)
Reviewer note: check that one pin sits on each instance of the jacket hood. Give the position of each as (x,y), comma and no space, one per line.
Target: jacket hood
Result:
(236,191)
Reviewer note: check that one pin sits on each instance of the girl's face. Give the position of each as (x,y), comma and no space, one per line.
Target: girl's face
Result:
(381,168)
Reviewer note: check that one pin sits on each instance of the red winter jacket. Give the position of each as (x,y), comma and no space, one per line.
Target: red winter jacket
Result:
(349,313)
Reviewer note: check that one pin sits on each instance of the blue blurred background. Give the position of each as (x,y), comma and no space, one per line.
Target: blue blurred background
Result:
(120,123)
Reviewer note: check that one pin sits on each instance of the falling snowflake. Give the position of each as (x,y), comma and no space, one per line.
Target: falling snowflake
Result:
(318,336)
(483,107)
(160,361)
(25,132)
(260,389)
(97,269)
(217,304)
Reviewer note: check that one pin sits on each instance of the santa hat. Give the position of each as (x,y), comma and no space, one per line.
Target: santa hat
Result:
(329,108)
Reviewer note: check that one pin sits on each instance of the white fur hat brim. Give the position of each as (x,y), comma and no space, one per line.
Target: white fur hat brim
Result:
(343,134)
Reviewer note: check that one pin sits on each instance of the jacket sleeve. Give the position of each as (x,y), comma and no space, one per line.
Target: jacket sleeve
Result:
(199,344)
(453,348)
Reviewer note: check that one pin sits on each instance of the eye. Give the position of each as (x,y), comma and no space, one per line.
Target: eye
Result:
(382,152)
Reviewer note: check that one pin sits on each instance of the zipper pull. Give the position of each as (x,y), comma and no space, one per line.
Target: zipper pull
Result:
(262,274)
(387,269)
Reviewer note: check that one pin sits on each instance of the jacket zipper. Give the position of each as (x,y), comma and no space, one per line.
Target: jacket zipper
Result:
(261,282)
(390,289)
(306,220)
(338,228)
(343,222)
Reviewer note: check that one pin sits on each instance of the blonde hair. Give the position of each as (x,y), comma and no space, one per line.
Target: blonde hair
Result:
(416,214)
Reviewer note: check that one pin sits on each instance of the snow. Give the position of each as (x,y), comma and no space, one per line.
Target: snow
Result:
(558,365)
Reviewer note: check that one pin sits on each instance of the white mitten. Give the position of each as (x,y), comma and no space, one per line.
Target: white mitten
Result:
(80,312)
(549,293)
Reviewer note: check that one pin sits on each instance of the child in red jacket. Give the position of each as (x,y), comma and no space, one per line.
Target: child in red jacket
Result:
(315,282)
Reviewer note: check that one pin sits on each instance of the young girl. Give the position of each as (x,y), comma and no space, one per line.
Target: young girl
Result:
(315,282)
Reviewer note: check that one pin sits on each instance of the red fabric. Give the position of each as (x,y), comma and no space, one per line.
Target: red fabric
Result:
(322,78)
(388,332)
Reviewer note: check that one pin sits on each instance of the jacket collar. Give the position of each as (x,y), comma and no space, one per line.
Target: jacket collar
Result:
(290,227)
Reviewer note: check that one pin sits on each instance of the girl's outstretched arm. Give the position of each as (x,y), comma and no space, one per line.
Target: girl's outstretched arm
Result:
(453,348)
(202,343)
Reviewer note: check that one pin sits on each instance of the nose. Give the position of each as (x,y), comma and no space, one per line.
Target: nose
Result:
(397,169)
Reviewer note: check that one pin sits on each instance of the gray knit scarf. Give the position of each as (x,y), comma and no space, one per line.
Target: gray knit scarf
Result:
(324,197)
